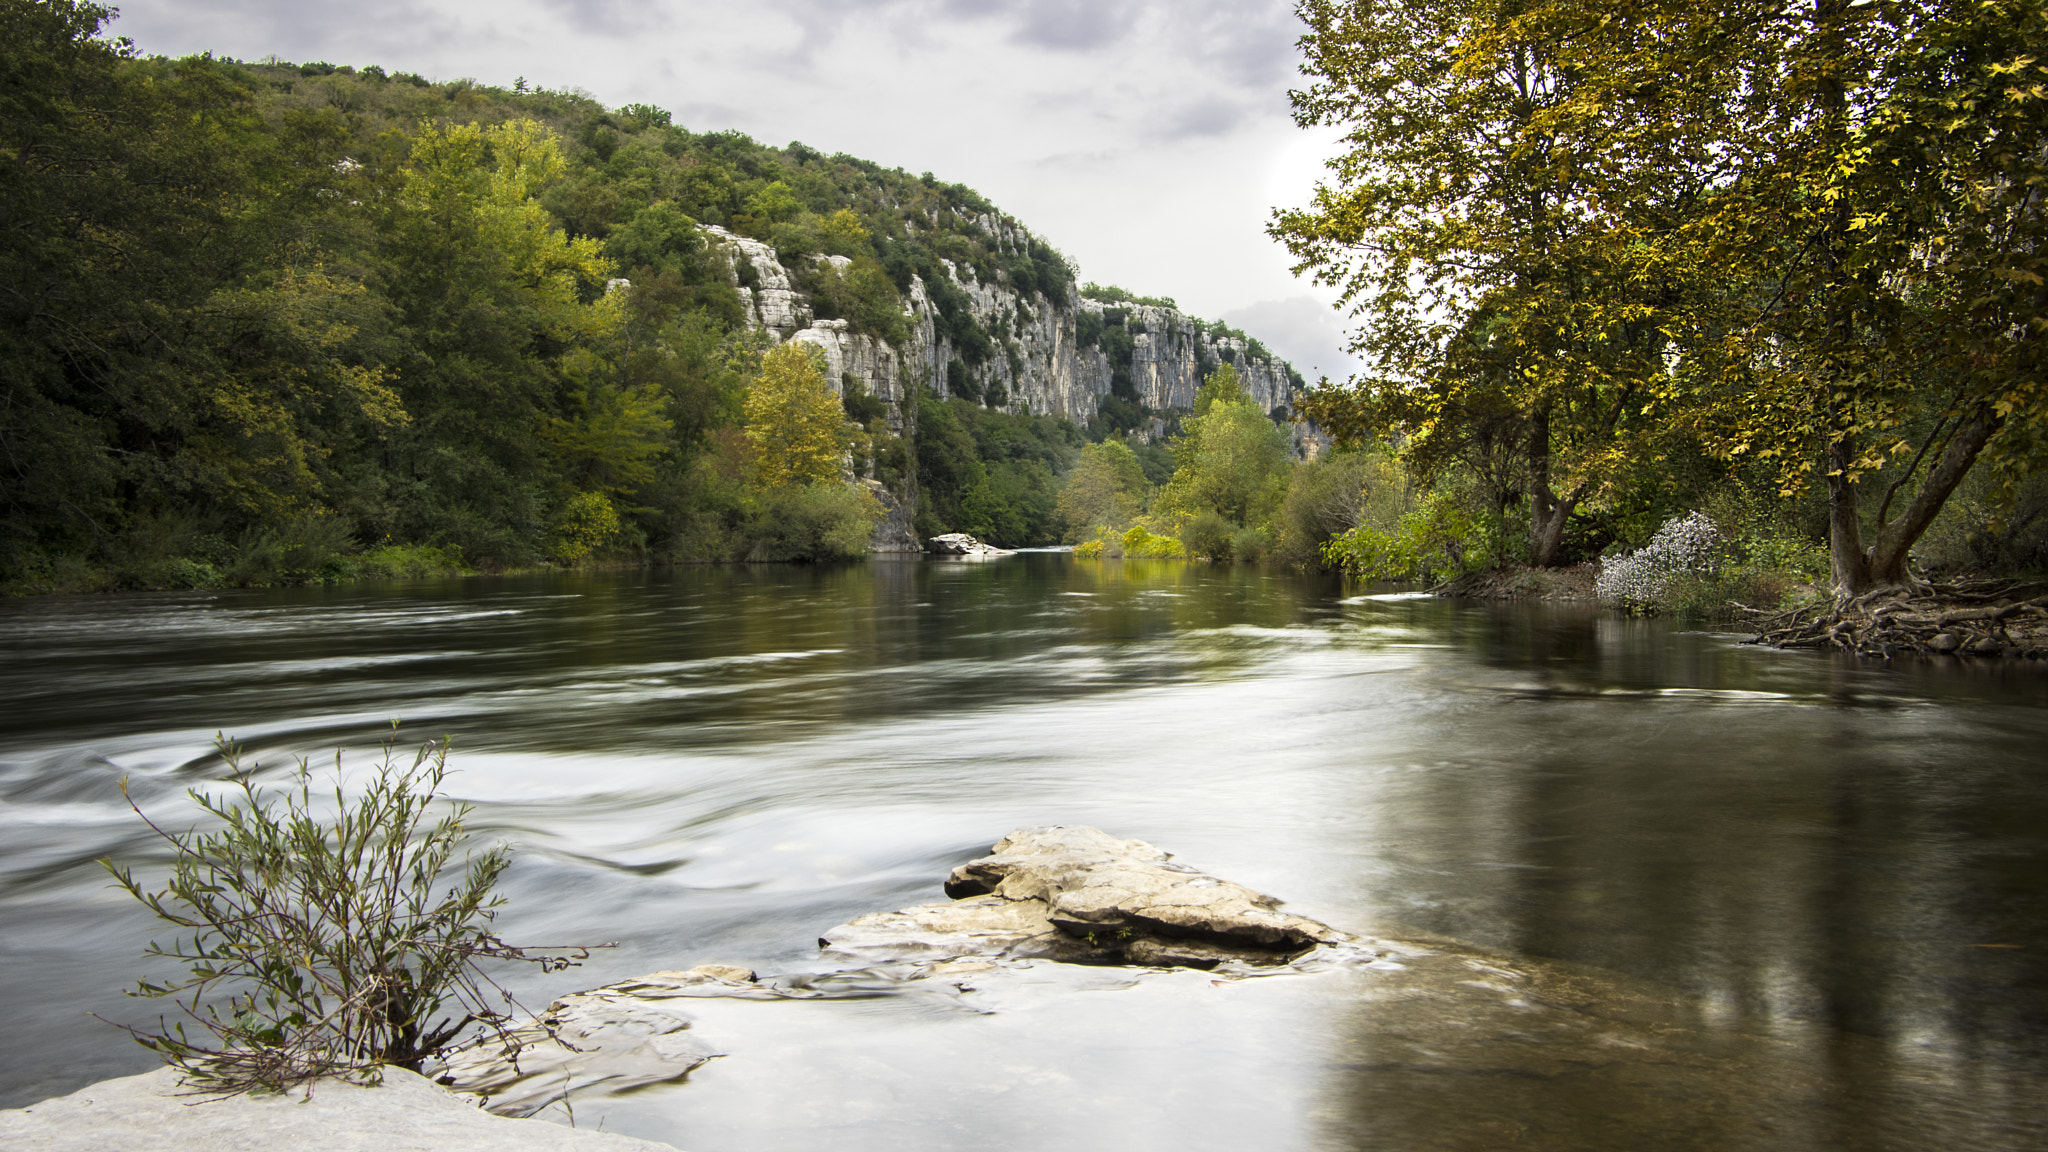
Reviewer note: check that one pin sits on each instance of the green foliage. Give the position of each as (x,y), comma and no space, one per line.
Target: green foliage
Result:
(797,427)
(1114,295)
(810,523)
(990,473)
(1137,543)
(1587,242)
(324,947)
(1106,489)
(1430,543)
(253,298)
(1230,460)
(1330,496)
(1209,533)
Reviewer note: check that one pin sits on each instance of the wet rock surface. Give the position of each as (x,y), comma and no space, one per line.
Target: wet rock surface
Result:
(1061,893)
(961,544)
(1079,894)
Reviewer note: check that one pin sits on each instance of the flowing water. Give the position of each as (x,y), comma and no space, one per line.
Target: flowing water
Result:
(1707,895)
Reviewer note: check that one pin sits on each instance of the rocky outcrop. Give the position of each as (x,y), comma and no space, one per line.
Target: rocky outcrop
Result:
(1080,894)
(1038,362)
(895,534)
(961,544)
(153,1113)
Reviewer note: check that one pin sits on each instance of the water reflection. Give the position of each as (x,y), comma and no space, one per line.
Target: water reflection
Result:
(1784,876)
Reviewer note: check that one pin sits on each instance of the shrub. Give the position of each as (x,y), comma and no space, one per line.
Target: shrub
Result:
(1140,542)
(1208,533)
(1428,543)
(328,942)
(1687,546)
(812,522)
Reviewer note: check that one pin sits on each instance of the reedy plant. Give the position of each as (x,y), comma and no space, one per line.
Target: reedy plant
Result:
(325,948)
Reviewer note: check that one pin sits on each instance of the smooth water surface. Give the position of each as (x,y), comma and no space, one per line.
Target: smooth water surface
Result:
(1826,877)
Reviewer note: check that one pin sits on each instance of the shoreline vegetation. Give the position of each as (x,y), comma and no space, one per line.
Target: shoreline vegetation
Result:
(279,325)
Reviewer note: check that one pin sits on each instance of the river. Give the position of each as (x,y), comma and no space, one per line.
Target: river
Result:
(1806,897)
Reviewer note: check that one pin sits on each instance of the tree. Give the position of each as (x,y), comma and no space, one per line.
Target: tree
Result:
(1231,458)
(795,423)
(1805,234)
(1501,313)
(1889,211)
(1107,488)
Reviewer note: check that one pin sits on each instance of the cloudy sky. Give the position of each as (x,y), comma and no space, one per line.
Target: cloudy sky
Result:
(1147,139)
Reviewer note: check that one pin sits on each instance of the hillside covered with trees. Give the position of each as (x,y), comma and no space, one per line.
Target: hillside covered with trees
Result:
(275,323)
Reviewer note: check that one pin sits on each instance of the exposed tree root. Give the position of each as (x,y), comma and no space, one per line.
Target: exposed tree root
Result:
(1968,618)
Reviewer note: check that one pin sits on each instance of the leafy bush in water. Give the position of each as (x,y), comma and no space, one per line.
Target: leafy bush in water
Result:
(1140,543)
(1688,546)
(325,948)
(1428,543)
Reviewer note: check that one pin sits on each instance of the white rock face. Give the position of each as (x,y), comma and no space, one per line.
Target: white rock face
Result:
(1038,363)
(149,1113)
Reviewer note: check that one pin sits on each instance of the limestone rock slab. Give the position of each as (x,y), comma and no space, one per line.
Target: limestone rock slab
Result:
(1079,894)
(153,1113)
(961,544)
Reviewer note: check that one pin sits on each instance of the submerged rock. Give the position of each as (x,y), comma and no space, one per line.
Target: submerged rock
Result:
(1080,894)
(961,544)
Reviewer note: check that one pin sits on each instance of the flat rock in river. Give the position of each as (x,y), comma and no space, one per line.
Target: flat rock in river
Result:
(1080,894)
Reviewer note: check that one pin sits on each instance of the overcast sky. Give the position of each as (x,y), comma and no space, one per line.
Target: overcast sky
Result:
(1147,139)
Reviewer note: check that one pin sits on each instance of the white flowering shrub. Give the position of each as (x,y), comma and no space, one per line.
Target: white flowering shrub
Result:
(1687,546)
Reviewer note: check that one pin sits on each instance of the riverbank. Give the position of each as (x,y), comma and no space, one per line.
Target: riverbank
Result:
(1573,585)
(1981,618)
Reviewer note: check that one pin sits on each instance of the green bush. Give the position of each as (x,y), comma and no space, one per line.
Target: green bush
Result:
(324,948)
(1430,543)
(811,522)
(1208,533)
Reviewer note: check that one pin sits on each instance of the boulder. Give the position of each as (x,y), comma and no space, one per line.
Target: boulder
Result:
(961,544)
(1080,894)
(154,1113)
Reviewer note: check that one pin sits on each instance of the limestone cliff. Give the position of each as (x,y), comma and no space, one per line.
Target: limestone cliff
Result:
(1058,356)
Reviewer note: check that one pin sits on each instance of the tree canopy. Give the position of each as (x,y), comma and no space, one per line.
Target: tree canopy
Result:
(1581,239)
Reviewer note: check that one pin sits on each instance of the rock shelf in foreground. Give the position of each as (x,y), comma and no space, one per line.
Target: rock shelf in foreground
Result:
(151,1113)
(1062,893)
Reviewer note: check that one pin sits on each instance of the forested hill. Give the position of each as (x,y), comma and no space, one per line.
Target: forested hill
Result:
(265,318)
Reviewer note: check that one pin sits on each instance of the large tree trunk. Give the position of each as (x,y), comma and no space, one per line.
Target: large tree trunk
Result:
(1896,537)
(1858,569)
(1845,525)
(1547,511)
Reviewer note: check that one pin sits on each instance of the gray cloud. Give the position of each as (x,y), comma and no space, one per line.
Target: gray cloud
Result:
(616,17)
(1306,332)
(1206,116)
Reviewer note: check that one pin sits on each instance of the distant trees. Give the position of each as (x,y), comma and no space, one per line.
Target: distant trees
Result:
(1106,489)
(1231,466)
(259,322)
